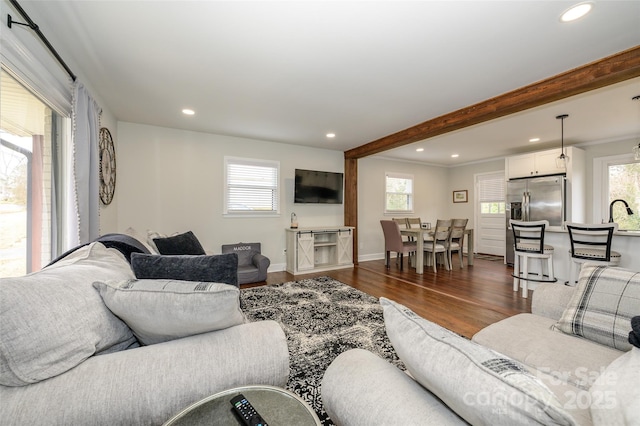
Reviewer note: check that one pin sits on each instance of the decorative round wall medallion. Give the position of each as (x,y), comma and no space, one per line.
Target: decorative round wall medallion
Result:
(107,166)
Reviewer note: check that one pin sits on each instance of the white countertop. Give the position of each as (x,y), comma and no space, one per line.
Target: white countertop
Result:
(629,248)
(620,233)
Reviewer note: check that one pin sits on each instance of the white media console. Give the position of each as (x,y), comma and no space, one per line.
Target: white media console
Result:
(319,249)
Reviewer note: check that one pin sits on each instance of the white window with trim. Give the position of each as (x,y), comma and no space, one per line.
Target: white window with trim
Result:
(251,187)
(398,193)
(617,178)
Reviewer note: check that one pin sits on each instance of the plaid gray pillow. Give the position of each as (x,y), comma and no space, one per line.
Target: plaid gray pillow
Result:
(605,300)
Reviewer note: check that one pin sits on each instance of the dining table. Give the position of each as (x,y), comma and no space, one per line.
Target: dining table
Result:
(419,234)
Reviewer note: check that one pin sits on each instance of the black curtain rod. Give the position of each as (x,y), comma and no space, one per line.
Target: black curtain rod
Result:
(35,28)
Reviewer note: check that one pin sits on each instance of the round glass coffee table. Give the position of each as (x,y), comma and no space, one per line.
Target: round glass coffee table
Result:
(276,406)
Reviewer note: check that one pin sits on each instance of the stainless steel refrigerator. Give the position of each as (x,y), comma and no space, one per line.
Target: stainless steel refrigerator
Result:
(537,198)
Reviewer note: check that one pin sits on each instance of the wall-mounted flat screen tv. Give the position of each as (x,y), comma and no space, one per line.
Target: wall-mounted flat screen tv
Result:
(312,186)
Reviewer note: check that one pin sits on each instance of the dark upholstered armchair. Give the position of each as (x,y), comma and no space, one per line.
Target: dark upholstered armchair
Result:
(252,265)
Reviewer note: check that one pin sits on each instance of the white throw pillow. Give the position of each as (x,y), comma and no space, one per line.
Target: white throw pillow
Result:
(142,239)
(615,395)
(601,308)
(151,234)
(162,310)
(52,320)
(479,384)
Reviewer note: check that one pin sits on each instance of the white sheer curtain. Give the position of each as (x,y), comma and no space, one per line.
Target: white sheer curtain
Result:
(85,117)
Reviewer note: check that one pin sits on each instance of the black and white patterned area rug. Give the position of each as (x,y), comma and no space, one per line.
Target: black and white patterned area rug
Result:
(321,318)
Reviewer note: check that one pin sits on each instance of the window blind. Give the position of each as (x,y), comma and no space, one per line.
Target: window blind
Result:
(251,186)
(491,187)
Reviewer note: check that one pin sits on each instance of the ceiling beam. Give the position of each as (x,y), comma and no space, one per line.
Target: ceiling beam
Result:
(604,72)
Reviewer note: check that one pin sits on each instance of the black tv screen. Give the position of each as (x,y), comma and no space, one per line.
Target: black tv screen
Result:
(312,186)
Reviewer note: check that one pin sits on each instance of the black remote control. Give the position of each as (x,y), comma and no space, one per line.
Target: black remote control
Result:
(247,413)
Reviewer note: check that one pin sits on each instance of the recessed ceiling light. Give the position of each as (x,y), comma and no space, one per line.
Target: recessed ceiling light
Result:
(188,111)
(455,155)
(331,135)
(576,12)
(419,149)
(534,140)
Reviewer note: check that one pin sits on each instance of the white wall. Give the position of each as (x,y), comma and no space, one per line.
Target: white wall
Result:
(172,180)
(432,199)
(463,177)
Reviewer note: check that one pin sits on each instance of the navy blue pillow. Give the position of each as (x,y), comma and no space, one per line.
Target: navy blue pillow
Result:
(219,268)
(186,243)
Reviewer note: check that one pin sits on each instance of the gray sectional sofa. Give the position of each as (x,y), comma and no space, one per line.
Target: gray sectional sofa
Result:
(86,343)
(570,361)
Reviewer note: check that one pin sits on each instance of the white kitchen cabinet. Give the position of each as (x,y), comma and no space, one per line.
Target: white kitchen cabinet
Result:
(534,164)
(319,249)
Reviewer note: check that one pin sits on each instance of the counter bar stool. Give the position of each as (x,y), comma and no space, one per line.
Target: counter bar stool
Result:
(591,243)
(528,240)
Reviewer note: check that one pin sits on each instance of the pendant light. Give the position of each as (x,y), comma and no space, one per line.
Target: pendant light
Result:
(636,148)
(561,161)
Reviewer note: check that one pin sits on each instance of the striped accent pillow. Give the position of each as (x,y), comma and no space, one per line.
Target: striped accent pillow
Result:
(605,300)
(482,386)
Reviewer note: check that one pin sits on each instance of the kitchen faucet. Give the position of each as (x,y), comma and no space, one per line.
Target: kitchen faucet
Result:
(629,211)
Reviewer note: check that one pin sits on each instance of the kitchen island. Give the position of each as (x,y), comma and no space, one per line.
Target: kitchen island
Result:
(627,243)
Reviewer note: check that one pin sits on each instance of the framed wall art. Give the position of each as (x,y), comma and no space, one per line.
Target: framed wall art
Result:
(460,196)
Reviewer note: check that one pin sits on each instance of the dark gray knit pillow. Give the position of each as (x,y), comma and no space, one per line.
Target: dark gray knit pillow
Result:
(186,243)
(220,268)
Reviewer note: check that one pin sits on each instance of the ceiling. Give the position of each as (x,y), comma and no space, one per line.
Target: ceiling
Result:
(293,71)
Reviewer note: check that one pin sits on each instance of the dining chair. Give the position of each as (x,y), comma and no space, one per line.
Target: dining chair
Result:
(414,222)
(591,243)
(438,244)
(393,242)
(403,223)
(456,239)
(528,242)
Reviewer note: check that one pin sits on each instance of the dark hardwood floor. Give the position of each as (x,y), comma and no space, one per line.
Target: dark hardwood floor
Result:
(464,300)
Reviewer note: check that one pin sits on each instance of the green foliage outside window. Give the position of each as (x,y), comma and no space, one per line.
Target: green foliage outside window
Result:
(492,207)
(624,183)
(399,193)
(397,202)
